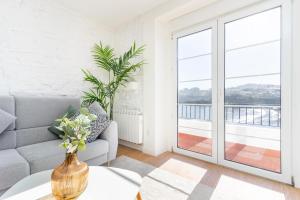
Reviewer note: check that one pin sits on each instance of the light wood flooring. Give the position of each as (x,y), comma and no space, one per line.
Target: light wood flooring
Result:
(210,174)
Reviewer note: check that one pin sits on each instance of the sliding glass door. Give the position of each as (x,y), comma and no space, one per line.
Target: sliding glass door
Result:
(233,91)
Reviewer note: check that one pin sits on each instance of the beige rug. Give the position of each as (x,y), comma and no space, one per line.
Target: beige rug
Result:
(159,184)
(163,184)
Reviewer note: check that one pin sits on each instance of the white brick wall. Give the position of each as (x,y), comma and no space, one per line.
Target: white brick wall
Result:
(130,97)
(43,46)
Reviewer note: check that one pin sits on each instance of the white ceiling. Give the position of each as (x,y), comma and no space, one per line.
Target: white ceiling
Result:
(111,13)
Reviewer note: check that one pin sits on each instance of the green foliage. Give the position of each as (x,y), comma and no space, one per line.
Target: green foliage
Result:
(97,93)
(76,130)
(120,71)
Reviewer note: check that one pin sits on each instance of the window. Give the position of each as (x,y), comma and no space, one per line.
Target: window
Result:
(233,91)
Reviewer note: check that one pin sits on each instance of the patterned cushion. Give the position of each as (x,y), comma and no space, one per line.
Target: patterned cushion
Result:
(100,124)
(6,120)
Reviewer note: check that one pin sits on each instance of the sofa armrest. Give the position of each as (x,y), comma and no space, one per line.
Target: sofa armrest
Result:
(111,135)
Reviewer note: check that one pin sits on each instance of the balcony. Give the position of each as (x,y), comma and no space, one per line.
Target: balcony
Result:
(252,133)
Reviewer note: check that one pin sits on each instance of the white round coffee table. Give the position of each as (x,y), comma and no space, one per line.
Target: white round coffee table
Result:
(105,183)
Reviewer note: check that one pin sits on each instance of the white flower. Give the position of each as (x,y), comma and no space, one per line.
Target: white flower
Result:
(71,148)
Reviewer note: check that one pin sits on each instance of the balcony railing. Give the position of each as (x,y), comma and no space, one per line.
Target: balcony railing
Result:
(236,114)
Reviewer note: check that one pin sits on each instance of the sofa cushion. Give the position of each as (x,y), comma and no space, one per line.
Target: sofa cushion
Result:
(13,168)
(8,140)
(30,136)
(6,120)
(47,155)
(37,111)
(100,124)
(97,161)
(2,192)
(7,103)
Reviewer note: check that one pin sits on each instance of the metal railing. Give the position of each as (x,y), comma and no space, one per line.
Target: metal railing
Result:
(237,114)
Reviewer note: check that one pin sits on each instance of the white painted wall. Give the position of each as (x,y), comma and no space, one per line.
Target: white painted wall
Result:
(144,31)
(130,97)
(162,86)
(43,46)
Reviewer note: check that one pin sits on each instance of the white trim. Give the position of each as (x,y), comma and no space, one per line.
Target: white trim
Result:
(286,85)
(211,12)
(296,93)
(194,29)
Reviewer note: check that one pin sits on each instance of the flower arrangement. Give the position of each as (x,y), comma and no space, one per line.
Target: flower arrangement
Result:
(76,130)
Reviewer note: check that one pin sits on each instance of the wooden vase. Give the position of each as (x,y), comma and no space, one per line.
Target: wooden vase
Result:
(69,179)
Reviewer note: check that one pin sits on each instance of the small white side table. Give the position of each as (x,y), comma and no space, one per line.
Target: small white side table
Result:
(105,183)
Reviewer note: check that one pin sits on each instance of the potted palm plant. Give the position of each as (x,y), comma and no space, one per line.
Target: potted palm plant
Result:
(120,71)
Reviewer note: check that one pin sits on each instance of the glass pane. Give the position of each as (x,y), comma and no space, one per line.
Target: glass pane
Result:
(252,30)
(194,117)
(194,44)
(194,93)
(252,109)
(257,90)
(261,59)
(197,68)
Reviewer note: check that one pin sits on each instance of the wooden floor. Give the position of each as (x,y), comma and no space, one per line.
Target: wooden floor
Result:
(207,173)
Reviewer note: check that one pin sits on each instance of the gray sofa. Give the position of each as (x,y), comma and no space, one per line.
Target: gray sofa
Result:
(27,146)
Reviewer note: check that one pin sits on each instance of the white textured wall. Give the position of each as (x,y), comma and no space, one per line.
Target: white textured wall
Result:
(130,97)
(43,46)
(144,30)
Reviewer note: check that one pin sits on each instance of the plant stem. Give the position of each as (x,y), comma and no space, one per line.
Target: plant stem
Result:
(111,109)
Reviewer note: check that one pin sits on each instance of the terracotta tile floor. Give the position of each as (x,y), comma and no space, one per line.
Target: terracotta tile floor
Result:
(254,156)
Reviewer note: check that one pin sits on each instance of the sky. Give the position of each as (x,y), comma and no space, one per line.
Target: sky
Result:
(252,47)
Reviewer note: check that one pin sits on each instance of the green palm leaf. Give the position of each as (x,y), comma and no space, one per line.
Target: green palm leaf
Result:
(122,68)
(103,56)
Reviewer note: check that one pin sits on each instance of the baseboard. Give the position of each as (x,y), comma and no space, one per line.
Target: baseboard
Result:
(131,145)
(296,184)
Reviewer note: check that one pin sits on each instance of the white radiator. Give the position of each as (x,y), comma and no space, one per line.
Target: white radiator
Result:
(130,125)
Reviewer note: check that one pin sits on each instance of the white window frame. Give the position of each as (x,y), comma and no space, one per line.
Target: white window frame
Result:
(285,175)
(198,28)
(218,51)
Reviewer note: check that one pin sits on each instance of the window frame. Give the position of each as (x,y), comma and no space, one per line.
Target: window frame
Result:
(194,29)
(217,22)
(285,175)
